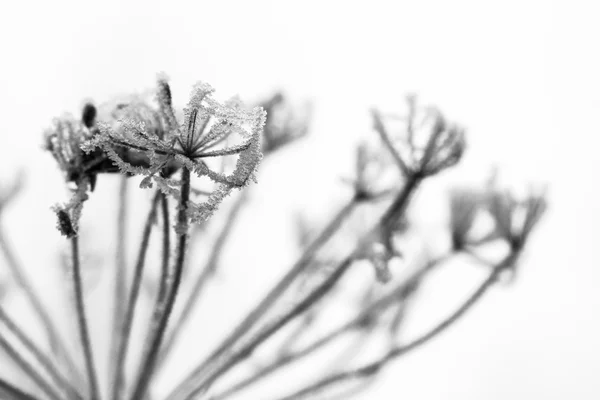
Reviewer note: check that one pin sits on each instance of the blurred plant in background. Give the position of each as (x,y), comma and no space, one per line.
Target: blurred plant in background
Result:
(222,144)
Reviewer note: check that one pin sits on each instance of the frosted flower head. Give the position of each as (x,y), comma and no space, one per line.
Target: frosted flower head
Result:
(205,134)
(63,140)
(428,144)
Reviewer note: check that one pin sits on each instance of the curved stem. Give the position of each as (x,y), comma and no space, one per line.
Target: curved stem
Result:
(160,318)
(119,379)
(82,322)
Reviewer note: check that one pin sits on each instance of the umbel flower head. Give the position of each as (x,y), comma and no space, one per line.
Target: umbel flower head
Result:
(428,144)
(154,150)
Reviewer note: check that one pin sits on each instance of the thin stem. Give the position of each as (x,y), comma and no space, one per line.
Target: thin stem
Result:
(377,306)
(14,393)
(28,369)
(166,249)
(270,329)
(82,321)
(125,333)
(23,281)
(386,222)
(374,367)
(44,361)
(207,272)
(161,318)
(267,302)
(120,281)
(164,278)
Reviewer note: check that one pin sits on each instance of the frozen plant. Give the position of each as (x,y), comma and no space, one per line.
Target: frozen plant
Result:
(220,145)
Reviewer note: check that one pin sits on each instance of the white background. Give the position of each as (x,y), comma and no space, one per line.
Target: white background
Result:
(522,76)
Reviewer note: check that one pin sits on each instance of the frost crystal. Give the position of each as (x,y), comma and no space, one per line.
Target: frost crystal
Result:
(153,144)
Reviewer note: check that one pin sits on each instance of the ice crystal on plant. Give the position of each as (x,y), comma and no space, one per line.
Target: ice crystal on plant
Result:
(205,132)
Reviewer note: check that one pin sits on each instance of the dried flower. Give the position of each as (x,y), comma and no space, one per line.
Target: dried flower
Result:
(516,219)
(429,144)
(203,134)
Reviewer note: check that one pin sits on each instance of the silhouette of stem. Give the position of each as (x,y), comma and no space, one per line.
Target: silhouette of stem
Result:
(124,335)
(82,321)
(160,318)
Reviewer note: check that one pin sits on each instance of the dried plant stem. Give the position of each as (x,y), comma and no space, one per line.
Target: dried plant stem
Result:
(160,318)
(164,277)
(125,333)
(372,368)
(273,327)
(207,272)
(166,250)
(387,221)
(267,302)
(11,392)
(120,281)
(385,301)
(50,329)
(28,369)
(82,321)
(42,359)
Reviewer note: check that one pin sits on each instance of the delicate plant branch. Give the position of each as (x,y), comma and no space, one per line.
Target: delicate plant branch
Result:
(42,359)
(82,321)
(120,282)
(128,317)
(161,317)
(397,351)
(50,329)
